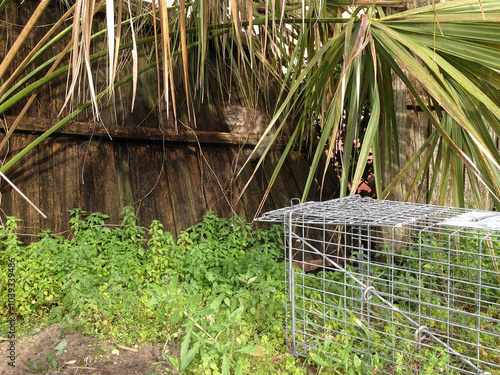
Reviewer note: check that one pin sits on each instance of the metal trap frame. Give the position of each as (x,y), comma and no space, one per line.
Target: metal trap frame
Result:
(406,288)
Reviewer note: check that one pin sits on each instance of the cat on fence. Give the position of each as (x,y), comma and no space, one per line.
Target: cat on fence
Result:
(242,120)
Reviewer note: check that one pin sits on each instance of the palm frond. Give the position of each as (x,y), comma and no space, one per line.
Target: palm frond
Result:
(326,78)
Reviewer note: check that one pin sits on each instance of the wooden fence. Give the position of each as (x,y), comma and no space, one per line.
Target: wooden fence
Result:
(172,178)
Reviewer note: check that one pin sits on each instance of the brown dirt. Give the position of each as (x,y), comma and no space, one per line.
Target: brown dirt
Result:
(82,355)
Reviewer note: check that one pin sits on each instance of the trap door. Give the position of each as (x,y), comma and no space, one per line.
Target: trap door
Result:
(323,298)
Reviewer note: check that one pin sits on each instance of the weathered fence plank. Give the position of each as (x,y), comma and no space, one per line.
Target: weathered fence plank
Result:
(152,195)
(170,182)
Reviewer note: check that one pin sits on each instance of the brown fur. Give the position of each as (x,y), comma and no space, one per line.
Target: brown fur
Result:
(242,120)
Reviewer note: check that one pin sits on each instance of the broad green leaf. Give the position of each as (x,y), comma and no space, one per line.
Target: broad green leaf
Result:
(225,365)
(319,361)
(189,356)
(60,347)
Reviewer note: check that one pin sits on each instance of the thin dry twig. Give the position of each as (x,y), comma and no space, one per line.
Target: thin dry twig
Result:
(22,195)
(135,350)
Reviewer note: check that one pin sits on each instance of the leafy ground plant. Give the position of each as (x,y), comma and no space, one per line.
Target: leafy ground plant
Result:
(216,292)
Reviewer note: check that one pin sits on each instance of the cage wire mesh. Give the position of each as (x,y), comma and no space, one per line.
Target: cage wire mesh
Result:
(404,288)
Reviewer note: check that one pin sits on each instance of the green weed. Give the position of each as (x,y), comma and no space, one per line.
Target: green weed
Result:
(215,291)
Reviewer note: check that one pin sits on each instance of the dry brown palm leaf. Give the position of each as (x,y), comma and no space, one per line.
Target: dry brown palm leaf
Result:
(22,37)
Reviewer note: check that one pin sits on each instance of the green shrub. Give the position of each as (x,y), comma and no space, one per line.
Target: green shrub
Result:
(216,291)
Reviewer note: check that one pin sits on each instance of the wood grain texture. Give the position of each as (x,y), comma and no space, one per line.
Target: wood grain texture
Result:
(58,185)
(99,179)
(184,183)
(33,125)
(253,195)
(172,183)
(25,176)
(216,170)
(151,191)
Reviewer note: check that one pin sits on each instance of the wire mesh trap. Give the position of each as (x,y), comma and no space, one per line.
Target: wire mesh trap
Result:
(404,288)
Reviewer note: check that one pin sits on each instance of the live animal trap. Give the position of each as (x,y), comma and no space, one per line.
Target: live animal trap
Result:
(400,287)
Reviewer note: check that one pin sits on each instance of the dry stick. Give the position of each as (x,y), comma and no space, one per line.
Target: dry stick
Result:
(203,329)
(22,195)
(86,368)
(135,350)
(118,37)
(168,72)
(21,66)
(33,97)
(22,37)
(160,115)
(182,13)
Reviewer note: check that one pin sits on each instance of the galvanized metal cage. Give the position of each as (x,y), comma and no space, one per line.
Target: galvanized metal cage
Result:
(406,288)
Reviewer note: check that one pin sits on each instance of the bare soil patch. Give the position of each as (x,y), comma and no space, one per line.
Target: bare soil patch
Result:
(81,355)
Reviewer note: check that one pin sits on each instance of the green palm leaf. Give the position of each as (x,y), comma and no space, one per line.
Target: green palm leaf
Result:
(325,72)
